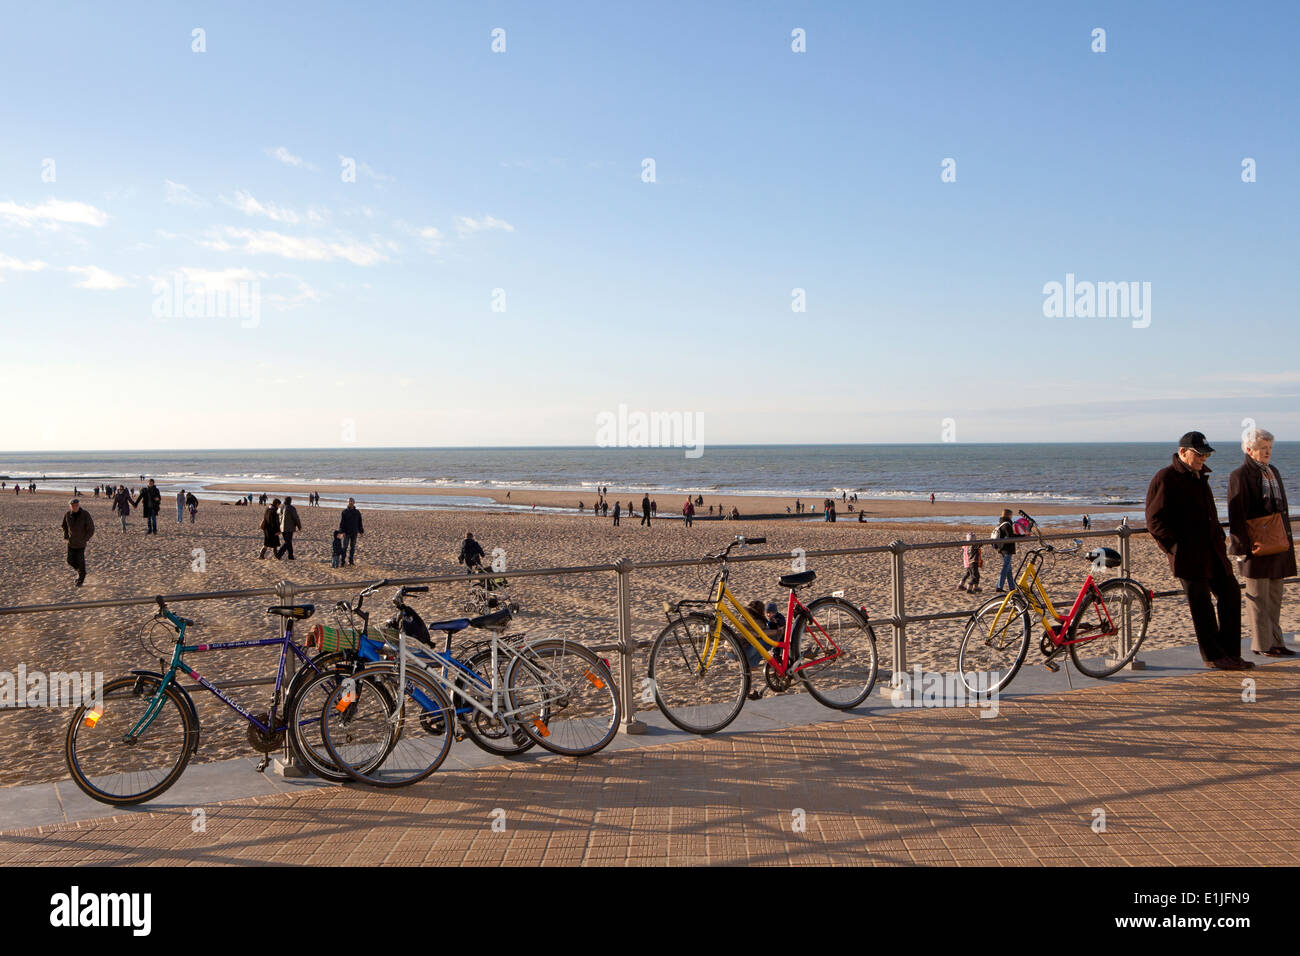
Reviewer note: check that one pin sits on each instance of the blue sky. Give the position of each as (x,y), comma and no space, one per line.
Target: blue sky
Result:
(522,171)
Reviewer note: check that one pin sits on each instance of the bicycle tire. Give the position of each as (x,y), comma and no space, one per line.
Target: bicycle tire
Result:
(357,733)
(490,733)
(845,680)
(679,686)
(303,711)
(98,756)
(987,638)
(1099,657)
(564,696)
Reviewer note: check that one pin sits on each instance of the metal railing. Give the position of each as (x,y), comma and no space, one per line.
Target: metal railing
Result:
(624,569)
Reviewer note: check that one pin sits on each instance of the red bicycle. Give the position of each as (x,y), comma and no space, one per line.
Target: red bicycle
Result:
(1102,631)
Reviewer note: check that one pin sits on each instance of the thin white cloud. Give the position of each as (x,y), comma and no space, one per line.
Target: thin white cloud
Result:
(304,294)
(248,205)
(267,242)
(178,194)
(52,213)
(93,277)
(374,174)
(288,158)
(466,225)
(10,264)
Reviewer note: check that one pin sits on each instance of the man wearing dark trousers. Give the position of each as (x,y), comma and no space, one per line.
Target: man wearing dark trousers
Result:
(1182,517)
(645,511)
(78,528)
(350,525)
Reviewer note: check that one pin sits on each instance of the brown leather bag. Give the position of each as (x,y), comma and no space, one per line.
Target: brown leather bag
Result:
(1267,535)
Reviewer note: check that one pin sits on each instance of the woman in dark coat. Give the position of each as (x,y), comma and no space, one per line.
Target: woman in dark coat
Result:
(271,530)
(1254,491)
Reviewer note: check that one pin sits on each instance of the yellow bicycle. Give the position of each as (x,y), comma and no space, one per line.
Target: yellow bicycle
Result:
(701,677)
(1102,631)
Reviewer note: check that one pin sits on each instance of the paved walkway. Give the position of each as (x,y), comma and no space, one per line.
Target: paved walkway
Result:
(1181,770)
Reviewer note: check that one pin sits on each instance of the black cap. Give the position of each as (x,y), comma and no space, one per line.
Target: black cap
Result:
(1195,441)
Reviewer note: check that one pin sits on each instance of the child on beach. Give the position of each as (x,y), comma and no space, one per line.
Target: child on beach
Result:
(971,559)
(337,550)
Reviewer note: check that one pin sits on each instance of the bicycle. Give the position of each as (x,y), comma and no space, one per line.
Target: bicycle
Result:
(701,678)
(558,692)
(135,742)
(1093,631)
(351,646)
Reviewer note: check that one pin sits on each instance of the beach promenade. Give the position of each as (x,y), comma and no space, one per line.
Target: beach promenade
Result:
(1198,768)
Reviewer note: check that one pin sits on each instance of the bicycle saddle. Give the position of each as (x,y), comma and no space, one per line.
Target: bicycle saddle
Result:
(1108,556)
(498,619)
(299,612)
(798,580)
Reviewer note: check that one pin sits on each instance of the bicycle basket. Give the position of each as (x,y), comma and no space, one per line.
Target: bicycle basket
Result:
(329,639)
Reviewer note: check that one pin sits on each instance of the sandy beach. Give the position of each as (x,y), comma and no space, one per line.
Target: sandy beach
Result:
(413,543)
(746,504)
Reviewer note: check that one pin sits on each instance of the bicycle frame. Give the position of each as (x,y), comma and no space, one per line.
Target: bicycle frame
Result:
(286,643)
(727,607)
(1030,587)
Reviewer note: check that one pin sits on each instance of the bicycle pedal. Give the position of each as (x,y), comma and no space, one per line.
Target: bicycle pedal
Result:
(1052,666)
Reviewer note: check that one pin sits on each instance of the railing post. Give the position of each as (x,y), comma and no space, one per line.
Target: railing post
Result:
(1125,631)
(286,765)
(897,603)
(625,647)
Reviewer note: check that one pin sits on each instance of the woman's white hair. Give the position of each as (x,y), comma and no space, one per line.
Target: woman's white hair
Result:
(1254,437)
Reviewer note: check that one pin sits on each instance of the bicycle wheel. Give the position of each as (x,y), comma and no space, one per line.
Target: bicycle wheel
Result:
(1121,601)
(562,695)
(497,735)
(836,647)
(699,682)
(365,713)
(994,644)
(110,769)
(303,709)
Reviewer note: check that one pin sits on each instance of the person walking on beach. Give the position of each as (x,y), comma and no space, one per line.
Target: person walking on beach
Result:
(289,524)
(471,554)
(932,497)
(336,550)
(617,511)
(270,528)
(150,501)
(350,526)
(1256,500)
(1005,530)
(1183,520)
(193,504)
(121,505)
(971,559)
(645,511)
(688,512)
(78,528)
(180,506)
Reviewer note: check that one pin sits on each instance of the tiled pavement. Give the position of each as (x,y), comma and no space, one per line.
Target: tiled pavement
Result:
(1184,770)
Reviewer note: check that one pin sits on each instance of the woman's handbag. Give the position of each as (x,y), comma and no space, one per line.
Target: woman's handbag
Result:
(1267,535)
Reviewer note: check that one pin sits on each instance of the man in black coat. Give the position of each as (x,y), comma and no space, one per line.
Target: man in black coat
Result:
(1182,518)
(150,502)
(78,528)
(350,525)
(645,510)
(471,554)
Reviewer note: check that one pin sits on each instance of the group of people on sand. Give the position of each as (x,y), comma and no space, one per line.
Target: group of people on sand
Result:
(1183,518)
(281,521)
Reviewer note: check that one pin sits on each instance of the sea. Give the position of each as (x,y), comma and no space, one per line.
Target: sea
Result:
(1103,480)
